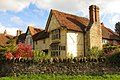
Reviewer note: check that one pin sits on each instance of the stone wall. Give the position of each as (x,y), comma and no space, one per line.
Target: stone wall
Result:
(89,68)
(95,36)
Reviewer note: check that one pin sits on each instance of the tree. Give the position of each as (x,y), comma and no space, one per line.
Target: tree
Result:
(117,28)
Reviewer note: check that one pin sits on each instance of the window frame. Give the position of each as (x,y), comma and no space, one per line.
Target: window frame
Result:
(55,50)
(55,34)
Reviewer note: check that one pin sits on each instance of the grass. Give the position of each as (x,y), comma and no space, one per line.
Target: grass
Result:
(61,77)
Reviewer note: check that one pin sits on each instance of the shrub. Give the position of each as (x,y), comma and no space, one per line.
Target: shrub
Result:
(2,50)
(2,58)
(111,50)
(111,47)
(7,48)
(9,56)
(70,55)
(95,53)
(106,45)
(40,55)
(22,50)
(36,54)
(115,59)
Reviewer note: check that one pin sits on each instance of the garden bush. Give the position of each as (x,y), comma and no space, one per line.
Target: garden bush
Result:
(7,48)
(94,54)
(22,50)
(2,57)
(114,59)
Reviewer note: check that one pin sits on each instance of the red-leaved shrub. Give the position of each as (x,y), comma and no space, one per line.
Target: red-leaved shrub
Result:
(9,55)
(23,50)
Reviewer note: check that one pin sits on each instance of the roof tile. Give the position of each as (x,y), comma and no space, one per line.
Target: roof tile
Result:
(34,30)
(70,21)
(109,34)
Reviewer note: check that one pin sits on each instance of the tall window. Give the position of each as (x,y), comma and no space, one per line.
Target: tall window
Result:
(56,34)
(29,40)
(55,50)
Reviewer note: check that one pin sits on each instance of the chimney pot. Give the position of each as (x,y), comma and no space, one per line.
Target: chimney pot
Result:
(19,32)
(5,32)
(94,13)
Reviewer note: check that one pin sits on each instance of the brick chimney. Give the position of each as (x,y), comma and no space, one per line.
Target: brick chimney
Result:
(94,13)
(5,32)
(93,36)
(19,32)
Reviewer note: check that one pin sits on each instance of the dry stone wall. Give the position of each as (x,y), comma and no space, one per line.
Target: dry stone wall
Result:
(88,68)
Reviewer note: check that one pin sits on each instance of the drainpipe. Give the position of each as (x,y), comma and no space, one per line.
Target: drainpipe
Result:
(84,32)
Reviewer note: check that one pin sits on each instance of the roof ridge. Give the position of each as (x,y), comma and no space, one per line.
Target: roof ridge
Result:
(66,13)
(35,27)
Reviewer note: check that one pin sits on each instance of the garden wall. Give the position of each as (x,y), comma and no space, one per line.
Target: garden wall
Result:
(68,68)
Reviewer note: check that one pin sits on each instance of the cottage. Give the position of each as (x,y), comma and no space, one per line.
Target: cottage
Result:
(31,31)
(6,38)
(70,35)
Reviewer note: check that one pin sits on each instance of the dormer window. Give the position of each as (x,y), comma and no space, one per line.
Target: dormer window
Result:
(55,34)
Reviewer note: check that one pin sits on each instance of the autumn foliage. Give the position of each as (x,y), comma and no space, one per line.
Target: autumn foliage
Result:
(23,50)
(9,55)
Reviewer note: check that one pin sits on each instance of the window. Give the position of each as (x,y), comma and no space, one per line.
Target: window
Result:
(30,41)
(62,47)
(55,50)
(55,53)
(56,34)
(104,41)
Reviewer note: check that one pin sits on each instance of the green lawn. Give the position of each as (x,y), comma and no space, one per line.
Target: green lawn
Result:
(62,77)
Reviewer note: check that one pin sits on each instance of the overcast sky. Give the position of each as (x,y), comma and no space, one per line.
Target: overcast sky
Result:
(18,14)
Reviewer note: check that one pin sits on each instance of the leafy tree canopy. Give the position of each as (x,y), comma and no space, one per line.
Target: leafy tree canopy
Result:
(117,28)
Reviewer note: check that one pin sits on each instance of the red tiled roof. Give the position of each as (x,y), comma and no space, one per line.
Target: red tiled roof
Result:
(108,33)
(34,30)
(71,22)
(5,38)
(9,36)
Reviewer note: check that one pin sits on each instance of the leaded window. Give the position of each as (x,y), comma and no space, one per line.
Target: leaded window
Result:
(55,50)
(55,34)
